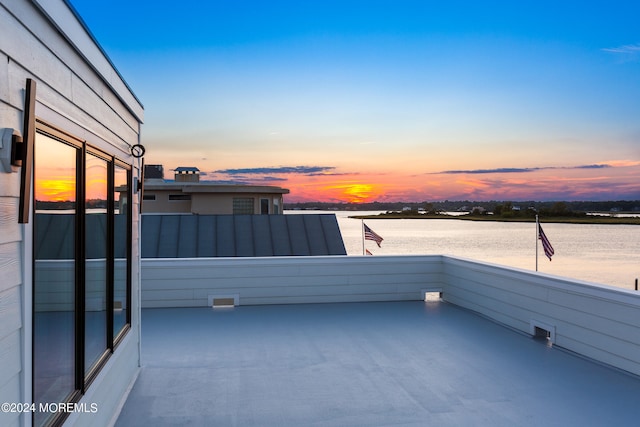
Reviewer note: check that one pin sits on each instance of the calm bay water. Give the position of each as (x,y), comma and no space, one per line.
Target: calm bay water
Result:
(605,254)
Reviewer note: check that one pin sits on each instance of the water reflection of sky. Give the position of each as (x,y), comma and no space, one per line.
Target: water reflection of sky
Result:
(600,253)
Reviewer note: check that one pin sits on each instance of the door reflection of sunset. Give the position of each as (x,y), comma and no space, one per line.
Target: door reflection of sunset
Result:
(55,189)
(55,179)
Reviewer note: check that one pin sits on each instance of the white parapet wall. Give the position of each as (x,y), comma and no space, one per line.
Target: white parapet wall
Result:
(194,282)
(597,321)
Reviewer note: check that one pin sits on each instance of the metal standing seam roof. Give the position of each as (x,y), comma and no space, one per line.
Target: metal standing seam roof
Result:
(191,236)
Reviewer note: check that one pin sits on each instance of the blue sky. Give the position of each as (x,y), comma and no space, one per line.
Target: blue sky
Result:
(387,100)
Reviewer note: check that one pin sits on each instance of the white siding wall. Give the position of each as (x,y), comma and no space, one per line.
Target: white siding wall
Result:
(11,312)
(283,280)
(78,91)
(597,321)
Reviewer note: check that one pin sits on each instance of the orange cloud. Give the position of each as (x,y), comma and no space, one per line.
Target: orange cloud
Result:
(623,163)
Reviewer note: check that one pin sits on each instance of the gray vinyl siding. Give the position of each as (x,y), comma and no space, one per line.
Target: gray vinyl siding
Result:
(11,310)
(11,286)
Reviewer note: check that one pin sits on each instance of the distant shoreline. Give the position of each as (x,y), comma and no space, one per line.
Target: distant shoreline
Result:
(590,219)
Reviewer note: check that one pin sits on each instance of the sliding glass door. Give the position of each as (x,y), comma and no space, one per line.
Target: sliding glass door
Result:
(55,272)
(82,265)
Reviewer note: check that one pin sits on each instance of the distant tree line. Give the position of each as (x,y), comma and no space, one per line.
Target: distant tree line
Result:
(504,208)
(69,204)
(508,210)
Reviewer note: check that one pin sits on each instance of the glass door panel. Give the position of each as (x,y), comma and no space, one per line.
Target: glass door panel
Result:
(54,276)
(96,263)
(121,245)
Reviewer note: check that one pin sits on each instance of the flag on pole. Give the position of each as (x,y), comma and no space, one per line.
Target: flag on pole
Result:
(369,234)
(546,245)
(368,252)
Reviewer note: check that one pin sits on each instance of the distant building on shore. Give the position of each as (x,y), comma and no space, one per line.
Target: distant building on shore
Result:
(187,194)
(227,220)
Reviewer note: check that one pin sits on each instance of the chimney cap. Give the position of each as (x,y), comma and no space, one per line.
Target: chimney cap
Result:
(187,169)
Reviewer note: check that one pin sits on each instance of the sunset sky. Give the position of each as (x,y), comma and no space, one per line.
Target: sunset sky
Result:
(387,100)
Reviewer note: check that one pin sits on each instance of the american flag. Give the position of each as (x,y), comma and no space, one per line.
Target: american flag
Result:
(369,234)
(368,252)
(546,245)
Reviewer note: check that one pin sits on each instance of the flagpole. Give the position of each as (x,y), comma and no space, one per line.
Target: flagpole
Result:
(537,233)
(362,229)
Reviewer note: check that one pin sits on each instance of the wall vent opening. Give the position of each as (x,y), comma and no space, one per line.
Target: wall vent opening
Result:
(543,332)
(223,301)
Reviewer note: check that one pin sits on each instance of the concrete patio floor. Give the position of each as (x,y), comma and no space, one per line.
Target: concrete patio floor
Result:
(364,364)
